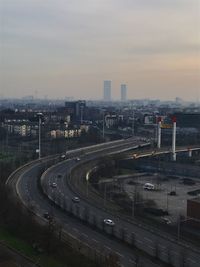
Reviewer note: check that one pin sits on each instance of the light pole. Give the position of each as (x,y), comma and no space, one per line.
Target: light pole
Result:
(133,130)
(103,125)
(39,133)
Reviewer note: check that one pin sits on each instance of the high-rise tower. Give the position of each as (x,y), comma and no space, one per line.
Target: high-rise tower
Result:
(107,91)
(123,92)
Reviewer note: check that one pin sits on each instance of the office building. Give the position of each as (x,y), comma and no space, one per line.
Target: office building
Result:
(123,92)
(75,109)
(107,91)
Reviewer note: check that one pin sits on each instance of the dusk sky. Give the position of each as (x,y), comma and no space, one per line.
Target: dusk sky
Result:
(64,48)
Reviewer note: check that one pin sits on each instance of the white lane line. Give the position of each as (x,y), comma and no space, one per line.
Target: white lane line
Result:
(149,240)
(163,247)
(192,260)
(85,235)
(108,248)
(119,254)
(95,240)
(151,247)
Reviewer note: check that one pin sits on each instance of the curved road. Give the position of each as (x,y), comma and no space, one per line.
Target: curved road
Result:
(151,243)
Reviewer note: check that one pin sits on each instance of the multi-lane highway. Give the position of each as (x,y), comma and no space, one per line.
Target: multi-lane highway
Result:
(157,245)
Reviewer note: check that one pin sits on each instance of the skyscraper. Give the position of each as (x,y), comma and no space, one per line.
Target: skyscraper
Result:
(107,91)
(123,92)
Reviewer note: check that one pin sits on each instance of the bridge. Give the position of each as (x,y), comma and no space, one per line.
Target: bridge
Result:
(63,180)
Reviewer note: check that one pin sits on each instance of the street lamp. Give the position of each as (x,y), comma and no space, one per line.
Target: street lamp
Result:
(103,124)
(39,133)
(133,126)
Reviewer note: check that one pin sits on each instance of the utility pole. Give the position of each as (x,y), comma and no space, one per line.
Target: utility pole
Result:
(159,133)
(39,133)
(103,125)
(133,125)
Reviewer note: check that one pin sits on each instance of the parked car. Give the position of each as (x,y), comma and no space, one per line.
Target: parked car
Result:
(172,193)
(149,186)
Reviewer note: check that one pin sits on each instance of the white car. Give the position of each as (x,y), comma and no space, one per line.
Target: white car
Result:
(78,159)
(109,222)
(54,185)
(166,220)
(76,199)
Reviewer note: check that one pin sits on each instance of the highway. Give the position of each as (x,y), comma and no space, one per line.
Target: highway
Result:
(99,236)
(149,240)
(27,190)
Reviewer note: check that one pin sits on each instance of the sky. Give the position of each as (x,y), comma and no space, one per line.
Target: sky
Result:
(67,48)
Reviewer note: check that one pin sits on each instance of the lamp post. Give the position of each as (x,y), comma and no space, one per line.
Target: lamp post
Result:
(39,133)
(103,125)
(133,125)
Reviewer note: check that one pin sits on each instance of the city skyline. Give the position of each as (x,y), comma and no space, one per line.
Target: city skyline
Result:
(68,48)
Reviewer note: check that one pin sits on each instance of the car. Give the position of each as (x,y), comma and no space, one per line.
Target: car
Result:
(63,157)
(78,159)
(109,222)
(76,199)
(46,215)
(54,185)
(166,220)
(172,193)
(148,186)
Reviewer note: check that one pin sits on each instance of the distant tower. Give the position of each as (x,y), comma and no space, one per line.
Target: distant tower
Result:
(123,92)
(107,91)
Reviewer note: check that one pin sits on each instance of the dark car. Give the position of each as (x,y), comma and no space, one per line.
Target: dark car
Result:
(172,193)
(46,215)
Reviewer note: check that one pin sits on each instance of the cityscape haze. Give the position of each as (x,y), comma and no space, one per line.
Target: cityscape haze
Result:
(67,48)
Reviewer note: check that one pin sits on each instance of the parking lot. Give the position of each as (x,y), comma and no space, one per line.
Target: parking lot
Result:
(175,204)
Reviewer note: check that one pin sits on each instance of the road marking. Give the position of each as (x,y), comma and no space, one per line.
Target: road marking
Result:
(108,248)
(161,246)
(119,254)
(85,235)
(149,240)
(151,247)
(192,260)
(75,229)
(95,240)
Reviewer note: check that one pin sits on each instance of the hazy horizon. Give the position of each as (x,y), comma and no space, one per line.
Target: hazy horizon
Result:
(69,47)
